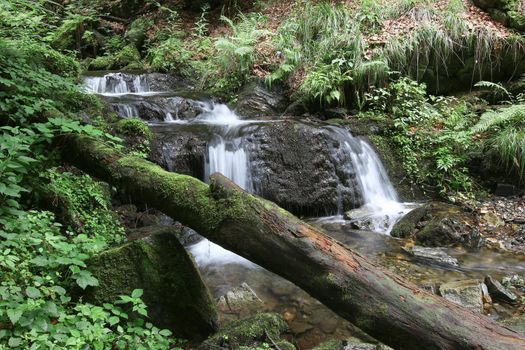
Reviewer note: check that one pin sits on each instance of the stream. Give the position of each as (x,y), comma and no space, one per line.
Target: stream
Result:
(200,137)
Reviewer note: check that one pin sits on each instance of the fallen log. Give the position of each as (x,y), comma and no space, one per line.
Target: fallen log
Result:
(373,298)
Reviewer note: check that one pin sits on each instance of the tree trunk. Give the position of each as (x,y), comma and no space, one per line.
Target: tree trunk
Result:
(373,298)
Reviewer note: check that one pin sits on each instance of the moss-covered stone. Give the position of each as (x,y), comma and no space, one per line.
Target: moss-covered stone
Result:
(250,332)
(174,292)
(404,227)
(136,33)
(128,57)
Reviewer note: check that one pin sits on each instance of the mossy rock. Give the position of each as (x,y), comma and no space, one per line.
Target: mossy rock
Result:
(406,226)
(128,57)
(446,225)
(251,332)
(174,292)
(136,33)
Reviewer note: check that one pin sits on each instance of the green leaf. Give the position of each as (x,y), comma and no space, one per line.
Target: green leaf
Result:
(85,278)
(14,342)
(137,293)
(14,315)
(165,333)
(32,292)
(40,261)
(113,320)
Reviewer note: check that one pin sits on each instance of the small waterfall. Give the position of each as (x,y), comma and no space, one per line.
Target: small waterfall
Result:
(380,203)
(227,156)
(117,83)
(126,110)
(230,159)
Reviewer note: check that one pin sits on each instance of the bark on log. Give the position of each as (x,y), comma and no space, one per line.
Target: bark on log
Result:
(373,298)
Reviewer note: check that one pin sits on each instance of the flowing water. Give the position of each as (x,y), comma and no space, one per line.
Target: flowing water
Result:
(228,153)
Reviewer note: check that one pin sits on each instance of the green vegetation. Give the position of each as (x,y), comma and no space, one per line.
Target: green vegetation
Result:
(379,58)
(43,261)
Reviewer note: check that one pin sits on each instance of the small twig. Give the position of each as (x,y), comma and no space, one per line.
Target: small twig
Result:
(271,340)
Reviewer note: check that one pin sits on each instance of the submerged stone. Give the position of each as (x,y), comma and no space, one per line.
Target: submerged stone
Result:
(432,256)
(241,301)
(174,292)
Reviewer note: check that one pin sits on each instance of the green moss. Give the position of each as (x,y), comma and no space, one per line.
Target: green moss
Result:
(100,63)
(126,57)
(173,290)
(249,332)
(136,33)
(134,128)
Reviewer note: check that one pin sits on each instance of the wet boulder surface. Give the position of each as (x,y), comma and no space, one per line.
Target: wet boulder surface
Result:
(299,166)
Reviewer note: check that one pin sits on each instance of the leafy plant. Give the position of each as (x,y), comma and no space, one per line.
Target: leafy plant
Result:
(506,136)
(236,52)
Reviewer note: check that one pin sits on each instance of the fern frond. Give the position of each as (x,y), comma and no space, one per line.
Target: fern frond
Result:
(492,119)
(496,87)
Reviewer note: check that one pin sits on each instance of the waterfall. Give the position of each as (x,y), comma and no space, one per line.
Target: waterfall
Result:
(381,206)
(117,83)
(227,156)
(126,110)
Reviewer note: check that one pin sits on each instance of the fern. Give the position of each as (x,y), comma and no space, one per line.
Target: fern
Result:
(497,88)
(507,141)
(514,114)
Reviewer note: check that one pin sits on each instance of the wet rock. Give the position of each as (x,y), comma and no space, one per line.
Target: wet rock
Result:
(174,292)
(467,293)
(180,148)
(432,256)
(406,226)
(498,292)
(350,344)
(446,225)
(257,100)
(250,332)
(300,167)
(241,301)
(363,218)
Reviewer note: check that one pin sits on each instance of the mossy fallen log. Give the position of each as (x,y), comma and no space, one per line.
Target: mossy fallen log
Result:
(376,300)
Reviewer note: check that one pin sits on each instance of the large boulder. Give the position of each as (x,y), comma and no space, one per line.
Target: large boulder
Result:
(302,167)
(437,225)
(174,292)
(250,333)
(257,100)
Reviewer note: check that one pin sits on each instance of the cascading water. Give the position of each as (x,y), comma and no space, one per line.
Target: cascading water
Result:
(227,156)
(117,83)
(229,151)
(381,206)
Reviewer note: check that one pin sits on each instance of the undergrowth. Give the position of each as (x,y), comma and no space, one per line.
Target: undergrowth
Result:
(41,260)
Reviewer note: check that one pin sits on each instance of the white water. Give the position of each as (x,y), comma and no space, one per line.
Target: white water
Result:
(126,110)
(225,155)
(113,84)
(381,205)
